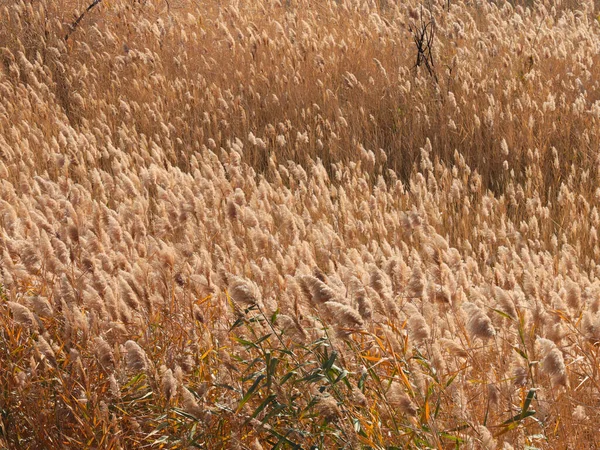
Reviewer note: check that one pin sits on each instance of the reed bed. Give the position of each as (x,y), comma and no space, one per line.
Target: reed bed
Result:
(259,224)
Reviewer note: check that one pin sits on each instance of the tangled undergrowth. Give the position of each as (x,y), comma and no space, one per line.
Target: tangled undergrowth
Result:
(259,225)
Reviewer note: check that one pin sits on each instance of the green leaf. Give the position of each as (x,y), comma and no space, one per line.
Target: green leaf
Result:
(503,314)
(452,438)
(236,324)
(521,352)
(362,379)
(134,380)
(451,379)
(516,419)
(528,399)
(283,439)
(250,392)
(252,376)
(265,337)
(244,342)
(274,315)
(285,351)
(276,410)
(315,376)
(271,364)
(329,363)
(287,376)
(263,405)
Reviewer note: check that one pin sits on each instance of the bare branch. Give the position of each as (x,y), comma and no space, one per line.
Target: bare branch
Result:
(74,25)
(423,37)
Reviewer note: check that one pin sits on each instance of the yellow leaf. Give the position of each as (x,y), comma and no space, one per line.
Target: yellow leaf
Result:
(201,301)
(205,354)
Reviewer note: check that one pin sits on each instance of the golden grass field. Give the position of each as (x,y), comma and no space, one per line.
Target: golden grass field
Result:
(259,225)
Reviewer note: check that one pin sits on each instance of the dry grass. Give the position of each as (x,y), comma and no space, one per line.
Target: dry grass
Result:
(258,225)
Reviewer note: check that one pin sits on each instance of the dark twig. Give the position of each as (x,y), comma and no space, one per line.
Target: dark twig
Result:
(74,25)
(423,36)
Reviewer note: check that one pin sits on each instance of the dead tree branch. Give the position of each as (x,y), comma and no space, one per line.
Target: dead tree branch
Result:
(423,37)
(75,23)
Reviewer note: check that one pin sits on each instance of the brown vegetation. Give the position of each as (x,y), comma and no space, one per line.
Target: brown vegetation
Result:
(259,225)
